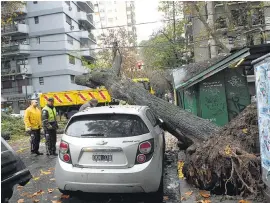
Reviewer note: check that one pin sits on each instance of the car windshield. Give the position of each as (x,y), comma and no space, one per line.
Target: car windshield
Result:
(106,125)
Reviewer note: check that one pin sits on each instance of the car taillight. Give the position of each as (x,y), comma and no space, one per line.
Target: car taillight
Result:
(141,158)
(145,151)
(66,157)
(63,147)
(145,147)
(64,152)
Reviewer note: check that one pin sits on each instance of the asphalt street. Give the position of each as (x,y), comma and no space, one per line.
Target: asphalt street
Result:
(42,187)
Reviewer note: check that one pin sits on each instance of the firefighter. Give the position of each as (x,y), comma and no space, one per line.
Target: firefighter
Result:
(32,121)
(50,126)
(92,103)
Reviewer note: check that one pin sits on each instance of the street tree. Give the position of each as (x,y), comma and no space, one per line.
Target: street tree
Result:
(216,158)
(126,43)
(244,21)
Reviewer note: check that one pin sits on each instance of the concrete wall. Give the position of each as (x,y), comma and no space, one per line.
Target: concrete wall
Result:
(55,84)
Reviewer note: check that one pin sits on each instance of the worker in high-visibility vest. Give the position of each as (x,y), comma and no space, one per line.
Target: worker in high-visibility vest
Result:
(50,126)
(32,121)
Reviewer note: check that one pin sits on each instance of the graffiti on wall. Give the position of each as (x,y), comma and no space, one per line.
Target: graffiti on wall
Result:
(212,98)
(238,106)
(235,81)
(263,101)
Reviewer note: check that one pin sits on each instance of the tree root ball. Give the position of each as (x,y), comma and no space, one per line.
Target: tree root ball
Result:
(228,163)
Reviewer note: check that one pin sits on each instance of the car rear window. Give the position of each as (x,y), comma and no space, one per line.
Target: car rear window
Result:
(106,125)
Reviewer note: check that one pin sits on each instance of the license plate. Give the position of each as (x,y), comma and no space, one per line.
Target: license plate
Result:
(101,157)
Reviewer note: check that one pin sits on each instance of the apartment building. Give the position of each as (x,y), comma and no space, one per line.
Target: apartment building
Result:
(115,13)
(216,16)
(44,47)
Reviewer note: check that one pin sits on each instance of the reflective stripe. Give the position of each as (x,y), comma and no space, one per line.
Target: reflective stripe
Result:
(82,96)
(91,95)
(57,98)
(68,98)
(102,95)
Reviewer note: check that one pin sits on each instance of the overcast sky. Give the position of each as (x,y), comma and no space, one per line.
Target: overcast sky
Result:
(147,11)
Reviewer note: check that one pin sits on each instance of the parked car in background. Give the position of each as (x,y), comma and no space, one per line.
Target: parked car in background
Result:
(112,149)
(13,171)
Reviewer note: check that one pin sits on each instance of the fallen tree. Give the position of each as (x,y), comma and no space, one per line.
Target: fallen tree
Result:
(229,162)
(207,164)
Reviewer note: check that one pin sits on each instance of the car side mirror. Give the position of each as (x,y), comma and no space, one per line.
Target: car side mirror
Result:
(160,122)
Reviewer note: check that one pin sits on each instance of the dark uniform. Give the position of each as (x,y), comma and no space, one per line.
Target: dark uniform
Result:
(50,126)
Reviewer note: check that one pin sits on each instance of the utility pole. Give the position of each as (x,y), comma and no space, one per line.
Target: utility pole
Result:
(174,36)
(25,82)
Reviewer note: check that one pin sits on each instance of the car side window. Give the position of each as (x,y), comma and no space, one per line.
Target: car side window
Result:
(151,117)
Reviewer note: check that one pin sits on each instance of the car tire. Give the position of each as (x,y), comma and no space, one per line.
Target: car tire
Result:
(66,192)
(6,195)
(157,196)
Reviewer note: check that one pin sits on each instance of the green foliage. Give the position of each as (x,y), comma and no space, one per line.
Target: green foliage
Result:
(125,42)
(12,125)
(166,48)
(10,10)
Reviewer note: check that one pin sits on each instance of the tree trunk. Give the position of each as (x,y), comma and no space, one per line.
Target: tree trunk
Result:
(182,124)
(224,160)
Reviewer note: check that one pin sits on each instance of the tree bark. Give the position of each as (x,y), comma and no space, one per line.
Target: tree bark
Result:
(182,124)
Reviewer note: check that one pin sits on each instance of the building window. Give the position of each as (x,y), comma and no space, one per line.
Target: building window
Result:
(38,40)
(71,59)
(36,20)
(41,81)
(39,60)
(72,79)
(69,39)
(67,2)
(34,2)
(68,20)
(110,20)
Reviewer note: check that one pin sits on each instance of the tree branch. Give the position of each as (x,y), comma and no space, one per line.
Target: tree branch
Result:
(209,30)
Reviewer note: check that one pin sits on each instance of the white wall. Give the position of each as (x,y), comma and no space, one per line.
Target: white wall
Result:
(54,63)
(55,84)
(43,5)
(47,22)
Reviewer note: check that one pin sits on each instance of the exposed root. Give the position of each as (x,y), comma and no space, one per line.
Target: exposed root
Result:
(228,163)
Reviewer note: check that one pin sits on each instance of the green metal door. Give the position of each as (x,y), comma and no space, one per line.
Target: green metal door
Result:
(213,105)
(190,100)
(236,91)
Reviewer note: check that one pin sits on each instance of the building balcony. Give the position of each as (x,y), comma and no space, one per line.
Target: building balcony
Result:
(15,49)
(88,37)
(18,90)
(16,70)
(92,38)
(88,54)
(15,30)
(22,10)
(86,20)
(87,6)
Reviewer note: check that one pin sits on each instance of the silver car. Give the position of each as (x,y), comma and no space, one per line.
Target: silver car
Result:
(114,149)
